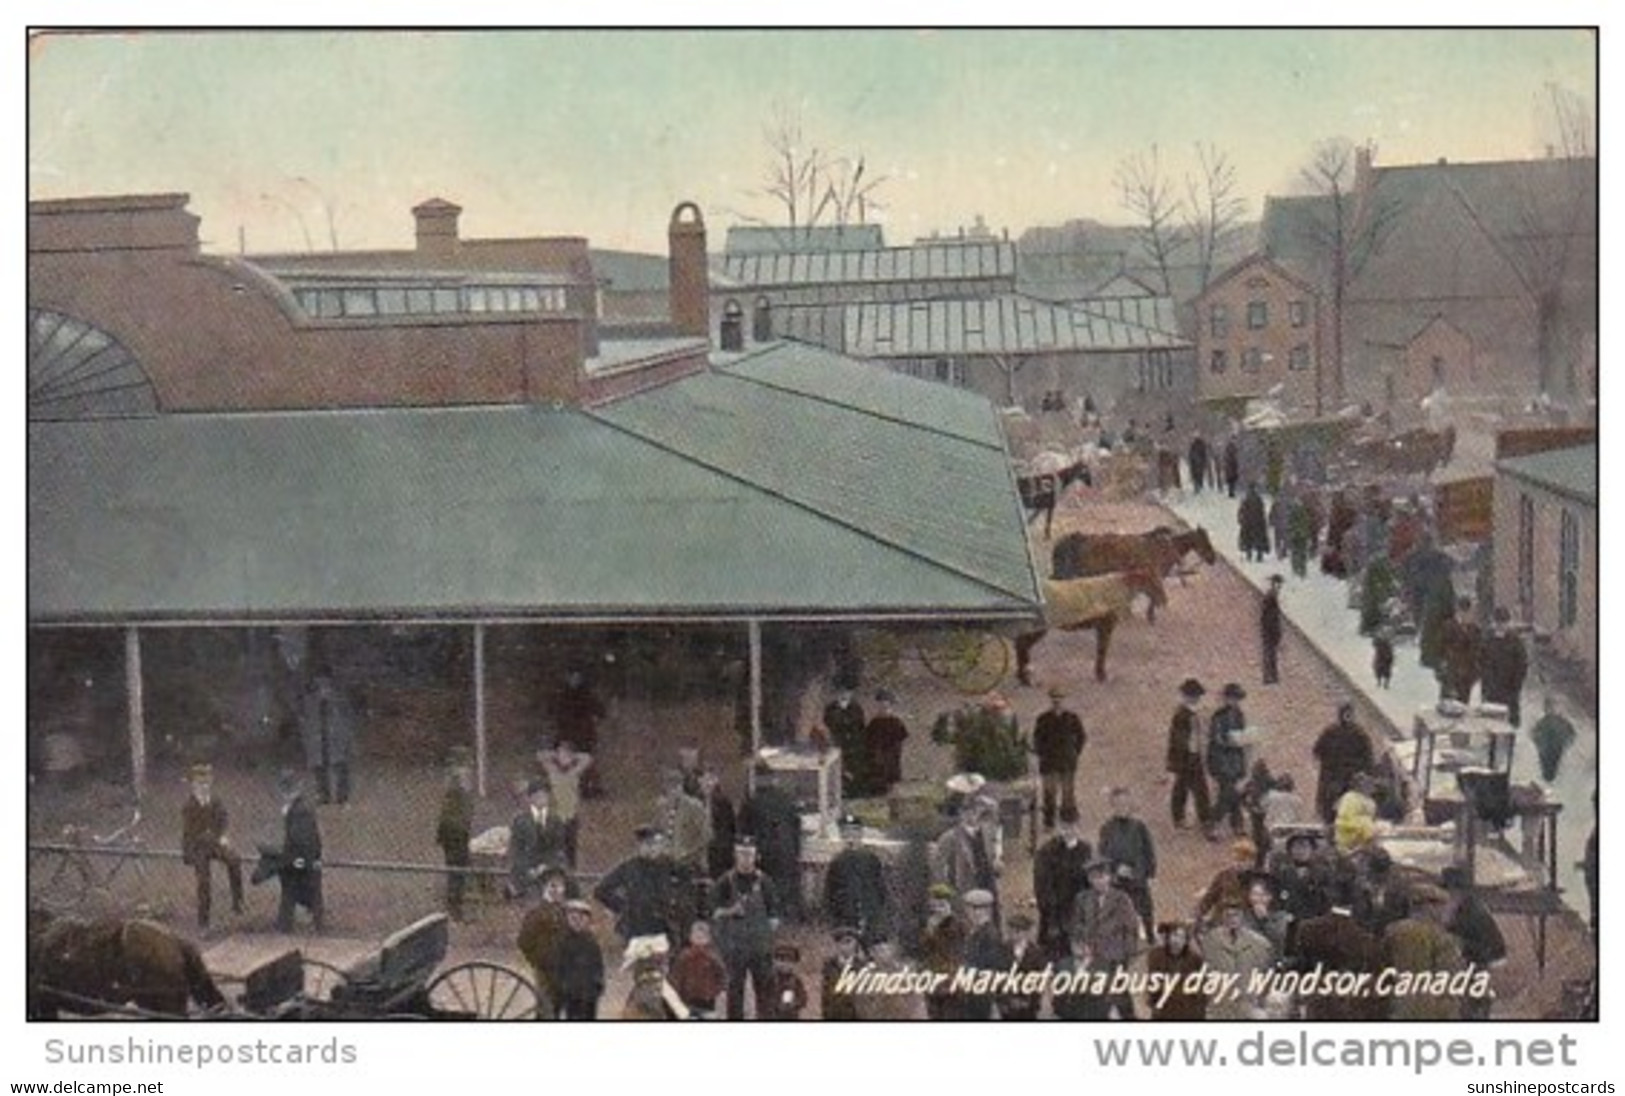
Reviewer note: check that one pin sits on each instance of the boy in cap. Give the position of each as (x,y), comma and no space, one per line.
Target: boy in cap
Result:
(454,829)
(203,841)
(1027,957)
(848,955)
(1184,760)
(789,990)
(942,947)
(698,974)
(985,949)
(580,974)
(1058,740)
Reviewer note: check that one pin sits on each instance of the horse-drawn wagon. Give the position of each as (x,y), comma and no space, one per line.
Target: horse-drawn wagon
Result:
(138,968)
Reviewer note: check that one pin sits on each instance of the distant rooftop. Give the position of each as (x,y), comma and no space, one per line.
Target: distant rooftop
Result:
(1008,324)
(921,263)
(777,239)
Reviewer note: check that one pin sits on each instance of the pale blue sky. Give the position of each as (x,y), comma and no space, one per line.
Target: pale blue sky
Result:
(600,134)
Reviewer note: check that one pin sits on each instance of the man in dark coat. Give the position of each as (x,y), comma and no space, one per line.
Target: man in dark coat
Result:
(540,932)
(1232,466)
(454,831)
(1059,876)
(745,920)
(1459,641)
(1340,944)
(848,955)
(1270,630)
(1126,842)
(719,853)
(1103,918)
(577,712)
(1175,958)
(1184,760)
(1027,957)
(770,817)
(844,719)
(300,869)
(855,893)
(1227,758)
(1503,665)
(641,891)
(884,736)
(535,841)
(204,840)
(1303,880)
(985,949)
(580,964)
(1255,530)
(1342,750)
(1058,740)
(1197,457)
(1475,930)
(942,950)
(328,726)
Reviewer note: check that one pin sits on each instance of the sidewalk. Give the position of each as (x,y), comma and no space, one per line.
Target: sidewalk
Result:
(1318,606)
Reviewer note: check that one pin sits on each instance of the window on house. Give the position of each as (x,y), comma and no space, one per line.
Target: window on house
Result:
(447,300)
(360,302)
(392,300)
(1526,557)
(1436,366)
(1297,313)
(1252,360)
(1258,315)
(1568,575)
(1218,361)
(1299,358)
(419,301)
(1218,321)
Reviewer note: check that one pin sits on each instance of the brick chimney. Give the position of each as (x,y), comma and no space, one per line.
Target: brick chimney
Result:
(437,226)
(690,277)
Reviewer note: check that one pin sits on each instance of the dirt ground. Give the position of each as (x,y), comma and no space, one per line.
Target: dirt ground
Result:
(1208,631)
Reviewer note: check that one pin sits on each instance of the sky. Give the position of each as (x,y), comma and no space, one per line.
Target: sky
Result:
(291,140)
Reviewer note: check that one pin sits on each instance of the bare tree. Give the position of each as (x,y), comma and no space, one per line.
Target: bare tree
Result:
(850,194)
(1347,229)
(808,186)
(1213,210)
(1553,212)
(1146,192)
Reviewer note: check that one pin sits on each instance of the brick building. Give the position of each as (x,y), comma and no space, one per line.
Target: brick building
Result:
(1259,328)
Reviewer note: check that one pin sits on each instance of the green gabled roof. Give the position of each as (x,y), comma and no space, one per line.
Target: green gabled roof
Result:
(509,512)
(943,501)
(1571,472)
(812,371)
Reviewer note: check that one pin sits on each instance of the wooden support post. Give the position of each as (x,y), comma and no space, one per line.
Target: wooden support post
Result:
(754,632)
(479,710)
(137,698)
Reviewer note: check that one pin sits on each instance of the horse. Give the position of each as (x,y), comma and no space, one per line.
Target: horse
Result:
(1092,604)
(1042,490)
(91,967)
(1085,555)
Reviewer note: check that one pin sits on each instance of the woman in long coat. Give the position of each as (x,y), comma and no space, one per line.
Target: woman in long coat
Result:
(1255,530)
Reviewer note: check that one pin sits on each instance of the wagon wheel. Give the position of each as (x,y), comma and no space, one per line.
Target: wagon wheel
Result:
(974,662)
(321,979)
(486,991)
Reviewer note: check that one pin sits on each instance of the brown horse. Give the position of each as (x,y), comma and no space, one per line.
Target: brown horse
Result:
(1092,604)
(89,967)
(1159,552)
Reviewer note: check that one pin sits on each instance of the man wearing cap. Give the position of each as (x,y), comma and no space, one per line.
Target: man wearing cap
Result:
(844,720)
(855,891)
(1027,957)
(942,948)
(580,964)
(1230,947)
(1270,630)
(1460,640)
(639,891)
(540,934)
(651,996)
(746,918)
(1503,665)
(771,818)
(1126,841)
(1343,750)
(300,870)
(454,830)
(1059,876)
(1104,919)
(1058,740)
(535,840)
(985,949)
(833,1004)
(1479,937)
(1302,879)
(884,737)
(963,857)
(203,841)
(1227,757)
(1184,760)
